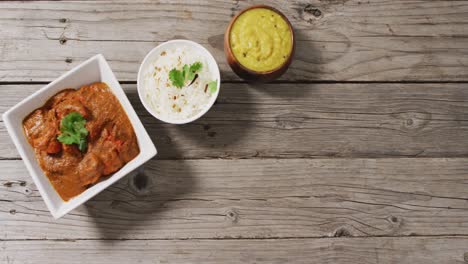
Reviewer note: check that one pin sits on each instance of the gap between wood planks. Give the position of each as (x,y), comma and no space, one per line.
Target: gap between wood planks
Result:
(233,238)
(280,82)
(298,158)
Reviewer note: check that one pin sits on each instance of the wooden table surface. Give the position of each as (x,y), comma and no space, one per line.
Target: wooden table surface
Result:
(358,154)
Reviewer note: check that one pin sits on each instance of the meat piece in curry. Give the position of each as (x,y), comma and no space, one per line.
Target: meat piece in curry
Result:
(111,140)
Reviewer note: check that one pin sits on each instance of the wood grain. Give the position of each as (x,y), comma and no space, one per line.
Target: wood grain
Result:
(306,120)
(376,40)
(290,172)
(443,250)
(247,198)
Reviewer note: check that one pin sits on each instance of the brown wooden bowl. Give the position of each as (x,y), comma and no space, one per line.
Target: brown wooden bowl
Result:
(248,74)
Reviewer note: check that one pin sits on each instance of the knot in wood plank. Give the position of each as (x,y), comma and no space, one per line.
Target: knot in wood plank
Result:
(395,224)
(232,215)
(63,40)
(311,13)
(342,232)
(413,121)
(140,182)
(10,183)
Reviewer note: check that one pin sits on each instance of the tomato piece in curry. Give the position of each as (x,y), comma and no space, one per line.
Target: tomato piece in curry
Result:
(111,141)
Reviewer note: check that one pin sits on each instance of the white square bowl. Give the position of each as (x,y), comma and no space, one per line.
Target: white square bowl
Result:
(93,70)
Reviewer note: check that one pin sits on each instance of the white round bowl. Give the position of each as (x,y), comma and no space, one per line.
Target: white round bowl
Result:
(154,54)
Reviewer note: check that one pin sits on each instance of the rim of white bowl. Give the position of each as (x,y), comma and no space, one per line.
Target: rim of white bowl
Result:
(207,106)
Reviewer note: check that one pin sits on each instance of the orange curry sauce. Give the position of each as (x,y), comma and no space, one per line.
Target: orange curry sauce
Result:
(111,139)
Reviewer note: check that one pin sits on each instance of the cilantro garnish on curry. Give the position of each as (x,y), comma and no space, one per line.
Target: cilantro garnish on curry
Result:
(73,130)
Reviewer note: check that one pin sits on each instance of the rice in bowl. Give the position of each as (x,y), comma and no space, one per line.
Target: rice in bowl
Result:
(178,103)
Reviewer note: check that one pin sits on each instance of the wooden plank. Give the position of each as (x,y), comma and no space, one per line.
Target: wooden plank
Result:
(248,198)
(340,40)
(306,120)
(444,250)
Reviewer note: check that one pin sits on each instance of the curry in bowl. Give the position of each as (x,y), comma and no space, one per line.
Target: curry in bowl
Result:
(259,43)
(79,137)
(261,39)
